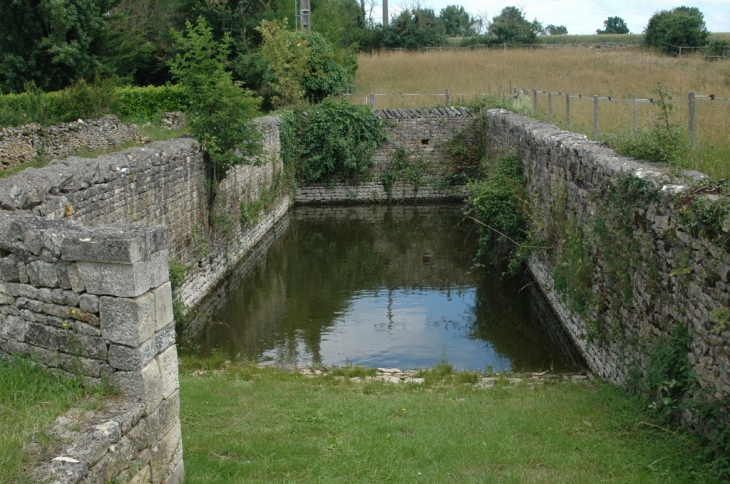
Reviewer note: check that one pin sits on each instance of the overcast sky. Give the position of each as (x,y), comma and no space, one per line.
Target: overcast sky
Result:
(579,16)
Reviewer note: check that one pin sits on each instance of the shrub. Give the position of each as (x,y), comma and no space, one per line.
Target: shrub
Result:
(679,27)
(146,103)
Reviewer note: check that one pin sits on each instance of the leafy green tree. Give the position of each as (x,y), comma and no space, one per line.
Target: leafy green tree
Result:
(220,111)
(679,27)
(556,30)
(511,27)
(49,42)
(302,65)
(457,21)
(414,29)
(614,25)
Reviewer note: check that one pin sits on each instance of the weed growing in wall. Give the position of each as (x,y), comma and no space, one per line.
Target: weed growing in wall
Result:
(404,166)
(665,142)
(498,203)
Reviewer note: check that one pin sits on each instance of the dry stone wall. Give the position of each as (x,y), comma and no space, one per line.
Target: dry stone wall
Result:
(96,303)
(424,136)
(85,246)
(19,145)
(670,276)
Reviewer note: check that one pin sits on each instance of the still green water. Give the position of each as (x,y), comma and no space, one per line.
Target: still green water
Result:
(379,286)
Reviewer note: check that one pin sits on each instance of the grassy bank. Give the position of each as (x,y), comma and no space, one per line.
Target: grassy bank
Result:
(249,424)
(30,399)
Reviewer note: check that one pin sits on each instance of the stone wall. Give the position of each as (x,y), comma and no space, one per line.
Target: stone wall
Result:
(424,135)
(84,286)
(668,275)
(19,145)
(96,303)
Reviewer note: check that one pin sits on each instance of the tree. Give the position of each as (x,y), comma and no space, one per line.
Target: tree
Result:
(679,27)
(456,21)
(220,111)
(614,25)
(556,30)
(510,26)
(302,65)
(414,29)
(49,42)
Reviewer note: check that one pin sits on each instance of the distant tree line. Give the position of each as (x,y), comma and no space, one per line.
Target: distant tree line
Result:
(51,44)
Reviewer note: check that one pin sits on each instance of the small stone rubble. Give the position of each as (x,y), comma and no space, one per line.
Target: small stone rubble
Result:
(395,375)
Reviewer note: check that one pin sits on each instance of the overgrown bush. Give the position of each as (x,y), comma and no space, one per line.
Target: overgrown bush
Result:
(334,137)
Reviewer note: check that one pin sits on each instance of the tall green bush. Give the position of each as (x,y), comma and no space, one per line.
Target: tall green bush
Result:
(678,27)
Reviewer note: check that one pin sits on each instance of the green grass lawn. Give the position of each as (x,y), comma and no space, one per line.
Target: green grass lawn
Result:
(30,400)
(248,424)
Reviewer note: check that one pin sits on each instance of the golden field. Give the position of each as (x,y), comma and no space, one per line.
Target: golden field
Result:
(577,71)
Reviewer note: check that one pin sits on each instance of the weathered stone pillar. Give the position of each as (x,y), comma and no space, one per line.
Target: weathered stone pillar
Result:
(97,303)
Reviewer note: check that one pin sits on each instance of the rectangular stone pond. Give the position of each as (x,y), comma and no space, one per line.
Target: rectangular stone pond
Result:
(384,286)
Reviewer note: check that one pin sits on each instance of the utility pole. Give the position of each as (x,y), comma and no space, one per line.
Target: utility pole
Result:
(385,13)
(304,12)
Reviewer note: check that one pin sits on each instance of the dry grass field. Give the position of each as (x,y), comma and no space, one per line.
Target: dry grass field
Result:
(583,71)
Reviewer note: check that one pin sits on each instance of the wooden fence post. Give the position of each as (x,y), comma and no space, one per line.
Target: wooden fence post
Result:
(372,101)
(550,107)
(448,96)
(567,110)
(692,115)
(534,102)
(636,115)
(595,118)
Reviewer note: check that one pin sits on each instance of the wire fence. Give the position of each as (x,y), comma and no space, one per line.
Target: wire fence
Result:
(706,116)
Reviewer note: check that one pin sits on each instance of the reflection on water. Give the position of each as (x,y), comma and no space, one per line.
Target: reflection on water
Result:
(378,286)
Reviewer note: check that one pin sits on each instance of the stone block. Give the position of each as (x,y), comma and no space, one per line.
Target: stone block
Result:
(124,280)
(145,384)
(128,322)
(49,358)
(9,269)
(178,474)
(45,295)
(44,336)
(165,337)
(163,419)
(13,327)
(65,297)
(89,303)
(167,361)
(21,290)
(42,274)
(166,455)
(128,358)
(115,244)
(65,469)
(74,278)
(90,446)
(163,305)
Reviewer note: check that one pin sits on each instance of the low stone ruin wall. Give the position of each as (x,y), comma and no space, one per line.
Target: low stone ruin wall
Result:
(423,135)
(648,271)
(96,303)
(85,246)
(23,144)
